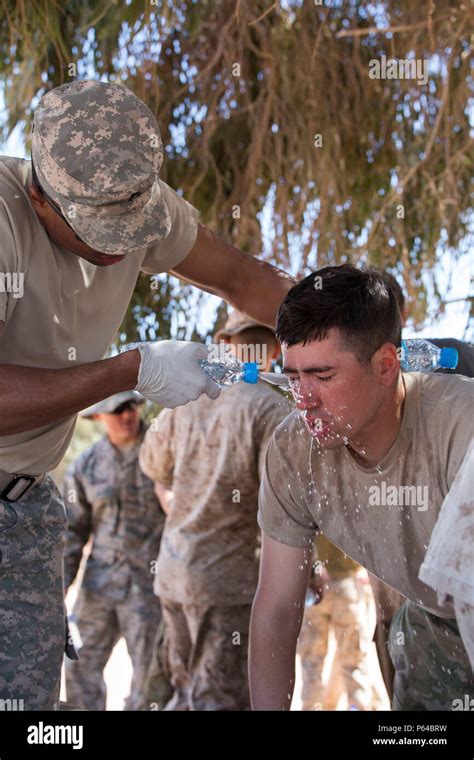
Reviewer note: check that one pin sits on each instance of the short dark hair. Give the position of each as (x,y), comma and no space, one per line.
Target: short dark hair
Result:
(360,303)
(397,290)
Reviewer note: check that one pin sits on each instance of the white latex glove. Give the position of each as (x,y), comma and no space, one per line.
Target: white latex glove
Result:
(170,374)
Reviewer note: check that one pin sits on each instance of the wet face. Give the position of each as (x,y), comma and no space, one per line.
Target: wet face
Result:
(338,397)
(124,427)
(63,235)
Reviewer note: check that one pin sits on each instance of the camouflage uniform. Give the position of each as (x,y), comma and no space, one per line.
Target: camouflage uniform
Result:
(211,454)
(432,669)
(32,632)
(206,651)
(108,496)
(346,609)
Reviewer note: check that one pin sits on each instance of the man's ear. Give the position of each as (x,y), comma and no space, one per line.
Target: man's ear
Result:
(386,363)
(38,200)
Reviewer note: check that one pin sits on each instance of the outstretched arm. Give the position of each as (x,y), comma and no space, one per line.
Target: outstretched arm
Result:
(248,284)
(275,624)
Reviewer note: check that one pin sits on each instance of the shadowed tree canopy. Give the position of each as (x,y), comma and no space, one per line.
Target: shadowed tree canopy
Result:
(269,110)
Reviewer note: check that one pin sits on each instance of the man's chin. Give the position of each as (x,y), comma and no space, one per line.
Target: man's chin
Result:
(106,261)
(322,432)
(325,435)
(96,258)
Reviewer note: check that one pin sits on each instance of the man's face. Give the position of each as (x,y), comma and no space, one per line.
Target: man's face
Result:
(337,396)
(63,235)
(124,426)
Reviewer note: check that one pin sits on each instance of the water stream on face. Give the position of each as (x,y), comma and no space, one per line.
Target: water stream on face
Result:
(310,468)
(275,378)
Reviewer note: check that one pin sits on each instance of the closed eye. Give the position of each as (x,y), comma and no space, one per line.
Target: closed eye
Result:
(318,377)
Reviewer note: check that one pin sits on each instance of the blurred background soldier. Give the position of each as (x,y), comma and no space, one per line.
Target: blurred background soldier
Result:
(343,607)
(109,499)
(206,459)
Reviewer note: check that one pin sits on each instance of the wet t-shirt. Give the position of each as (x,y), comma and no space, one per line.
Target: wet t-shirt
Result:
(382,517)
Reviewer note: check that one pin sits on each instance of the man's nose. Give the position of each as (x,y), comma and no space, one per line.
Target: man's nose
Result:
(305,396)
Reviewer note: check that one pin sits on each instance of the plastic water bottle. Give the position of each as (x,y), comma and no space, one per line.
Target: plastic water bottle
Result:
(419,355)
(229,370)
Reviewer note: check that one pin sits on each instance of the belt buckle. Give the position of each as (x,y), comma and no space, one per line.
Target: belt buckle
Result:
(15,489)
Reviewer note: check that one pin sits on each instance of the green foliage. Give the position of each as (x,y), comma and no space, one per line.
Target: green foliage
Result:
(249,139)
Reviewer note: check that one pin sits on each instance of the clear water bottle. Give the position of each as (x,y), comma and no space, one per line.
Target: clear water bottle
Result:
(228,370)
(419,355)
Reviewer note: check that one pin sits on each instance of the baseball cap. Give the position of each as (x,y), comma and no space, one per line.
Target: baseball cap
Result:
(97,151)
(109,405)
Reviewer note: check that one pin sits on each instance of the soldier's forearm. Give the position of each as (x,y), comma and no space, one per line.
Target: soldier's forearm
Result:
(247,283)
(272,650)
(31,397)
(260,289)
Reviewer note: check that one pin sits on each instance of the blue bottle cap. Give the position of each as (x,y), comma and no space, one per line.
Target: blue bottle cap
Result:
(449,358)
(250,372)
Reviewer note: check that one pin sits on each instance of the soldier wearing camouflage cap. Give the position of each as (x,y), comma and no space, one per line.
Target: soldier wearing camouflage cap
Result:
(110,500)
(112,404)
(77,226)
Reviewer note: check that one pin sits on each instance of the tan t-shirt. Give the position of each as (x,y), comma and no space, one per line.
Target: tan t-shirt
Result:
(211,454)
(68,311)
(337,563)
(368,513)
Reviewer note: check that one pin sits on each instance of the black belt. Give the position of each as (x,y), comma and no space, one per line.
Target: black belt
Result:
(13,487)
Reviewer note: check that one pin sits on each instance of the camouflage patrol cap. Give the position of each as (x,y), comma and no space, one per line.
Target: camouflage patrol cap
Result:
(97,151)
(110,404)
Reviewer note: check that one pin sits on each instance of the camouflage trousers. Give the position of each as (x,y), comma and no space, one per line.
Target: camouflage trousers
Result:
(206,652)
(101,622)
(347,611)
(432,669)
(32,622)
(158,689)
